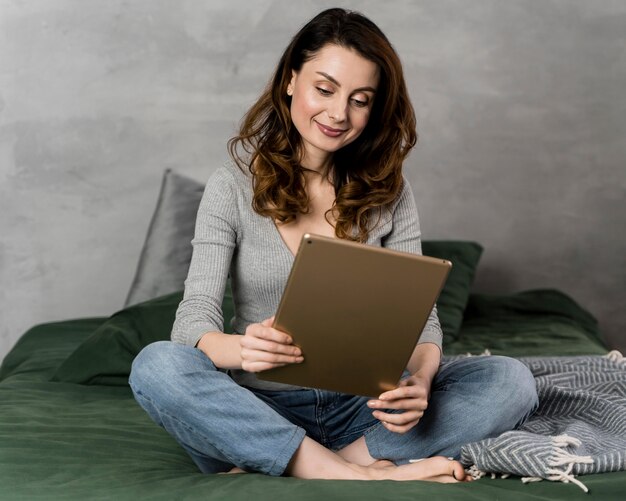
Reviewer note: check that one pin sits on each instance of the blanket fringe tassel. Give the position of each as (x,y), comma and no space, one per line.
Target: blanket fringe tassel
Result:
(616,356)
(475,473)
(559,458)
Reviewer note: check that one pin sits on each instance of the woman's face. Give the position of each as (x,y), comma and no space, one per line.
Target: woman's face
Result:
(332,98)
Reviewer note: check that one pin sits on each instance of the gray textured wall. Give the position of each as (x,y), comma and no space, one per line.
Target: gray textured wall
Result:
(522,118)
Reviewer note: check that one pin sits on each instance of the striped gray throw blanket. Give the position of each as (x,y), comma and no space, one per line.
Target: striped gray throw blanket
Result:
(579,427)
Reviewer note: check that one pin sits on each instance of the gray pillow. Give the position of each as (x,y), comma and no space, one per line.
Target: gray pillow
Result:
(164,260)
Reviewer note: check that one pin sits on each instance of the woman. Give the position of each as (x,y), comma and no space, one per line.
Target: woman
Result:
(320,152)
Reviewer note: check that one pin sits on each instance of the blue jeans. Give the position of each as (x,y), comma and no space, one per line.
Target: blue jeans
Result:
(221,424)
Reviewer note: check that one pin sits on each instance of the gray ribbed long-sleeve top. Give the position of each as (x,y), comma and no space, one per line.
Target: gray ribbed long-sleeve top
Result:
(231,238)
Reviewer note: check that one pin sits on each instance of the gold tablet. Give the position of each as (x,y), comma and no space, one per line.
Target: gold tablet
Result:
(357,312)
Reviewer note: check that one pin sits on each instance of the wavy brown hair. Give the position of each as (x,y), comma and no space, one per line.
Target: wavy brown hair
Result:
(367,173)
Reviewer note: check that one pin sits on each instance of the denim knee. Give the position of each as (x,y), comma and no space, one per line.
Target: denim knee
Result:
(150,361)
(516,386)
(159,365)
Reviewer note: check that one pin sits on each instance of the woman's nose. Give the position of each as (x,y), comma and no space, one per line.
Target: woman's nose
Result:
(337,110)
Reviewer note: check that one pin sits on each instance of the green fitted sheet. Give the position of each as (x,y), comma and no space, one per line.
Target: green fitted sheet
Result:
(69,441)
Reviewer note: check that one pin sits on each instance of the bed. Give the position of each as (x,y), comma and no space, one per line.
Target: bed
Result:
(70,428)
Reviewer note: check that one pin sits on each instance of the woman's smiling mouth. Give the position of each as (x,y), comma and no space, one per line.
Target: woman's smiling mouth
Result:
(329,131)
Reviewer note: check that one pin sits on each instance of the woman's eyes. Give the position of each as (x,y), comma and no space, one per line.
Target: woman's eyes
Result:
(323,91)
(359,103)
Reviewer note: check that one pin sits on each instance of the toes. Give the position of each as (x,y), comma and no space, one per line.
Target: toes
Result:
(457,471)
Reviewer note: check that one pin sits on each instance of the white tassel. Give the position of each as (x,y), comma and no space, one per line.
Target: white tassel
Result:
(474,472)
(615,356)
(566,477)
(565,441)
(561,457)
(526,480)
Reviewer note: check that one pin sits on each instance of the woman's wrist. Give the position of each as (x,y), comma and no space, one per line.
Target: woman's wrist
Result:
(224,350)
(424,362)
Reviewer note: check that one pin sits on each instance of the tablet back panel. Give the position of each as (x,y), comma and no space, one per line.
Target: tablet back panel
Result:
(357,312)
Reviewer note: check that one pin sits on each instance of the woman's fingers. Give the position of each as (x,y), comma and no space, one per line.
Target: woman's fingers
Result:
(263,348)
(270,357)
(406,404)
(257,361)
(403,392)
(400,418)
(269,333)
(268,322)
(258,344)
(254,349)
(259,366)
(262,337)
(397,428)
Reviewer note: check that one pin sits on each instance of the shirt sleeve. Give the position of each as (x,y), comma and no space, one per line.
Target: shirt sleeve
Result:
(213,244)
(405,236)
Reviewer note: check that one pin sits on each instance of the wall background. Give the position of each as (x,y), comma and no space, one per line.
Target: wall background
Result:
(521,112)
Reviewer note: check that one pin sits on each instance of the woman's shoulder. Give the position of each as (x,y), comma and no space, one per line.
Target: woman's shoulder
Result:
(229,180)
(230,173)
(226,193)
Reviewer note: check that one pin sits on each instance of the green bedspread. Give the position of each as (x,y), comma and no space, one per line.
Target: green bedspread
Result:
(69,441)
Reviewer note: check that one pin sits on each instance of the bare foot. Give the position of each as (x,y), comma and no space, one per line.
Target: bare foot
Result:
(381,463)
(234,470)
(435,469)
(312,460)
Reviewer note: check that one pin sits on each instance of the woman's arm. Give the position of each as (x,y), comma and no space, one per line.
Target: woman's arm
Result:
(214,243)
(425,361)
(261,348)
(199,318)
(224,350)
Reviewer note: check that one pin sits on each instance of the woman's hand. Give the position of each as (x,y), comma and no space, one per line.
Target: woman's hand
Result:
(411,396)
(263,347)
